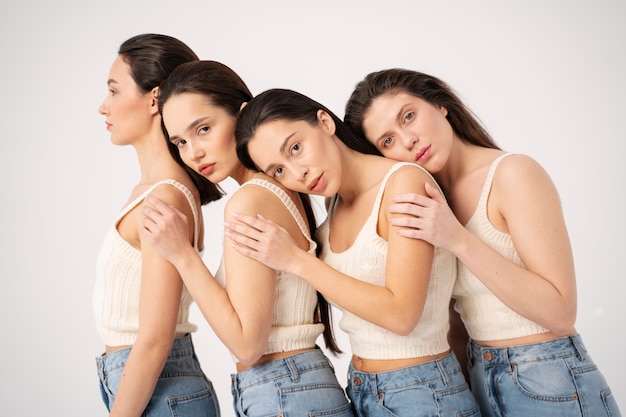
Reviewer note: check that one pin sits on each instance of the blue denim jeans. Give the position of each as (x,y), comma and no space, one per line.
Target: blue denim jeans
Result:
(182,388)
(435,388)
(555,378)
(300,385)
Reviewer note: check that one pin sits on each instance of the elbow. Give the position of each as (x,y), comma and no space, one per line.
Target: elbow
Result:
(248,357)
(563,325)
(404,325)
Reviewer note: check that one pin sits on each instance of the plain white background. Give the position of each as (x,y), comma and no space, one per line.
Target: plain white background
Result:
(545,77)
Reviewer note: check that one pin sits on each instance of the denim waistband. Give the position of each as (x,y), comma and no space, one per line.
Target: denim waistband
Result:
(182,347)
(438,369)
(290,366)
(558,348)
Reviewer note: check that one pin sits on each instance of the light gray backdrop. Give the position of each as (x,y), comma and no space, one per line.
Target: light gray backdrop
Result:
(545,76)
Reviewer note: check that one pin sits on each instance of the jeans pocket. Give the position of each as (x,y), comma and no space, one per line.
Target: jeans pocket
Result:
(549,380)
(202,403)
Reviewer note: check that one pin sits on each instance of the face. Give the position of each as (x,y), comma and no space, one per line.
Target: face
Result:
(204,135)
(300,156)
(130,113)
(407,128)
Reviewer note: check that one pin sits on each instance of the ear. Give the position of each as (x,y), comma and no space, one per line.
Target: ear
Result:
(154,100)
(244,104)
(326,121)
(443,111)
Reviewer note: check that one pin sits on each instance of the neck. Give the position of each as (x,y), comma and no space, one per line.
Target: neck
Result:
(154,157)
(242,174)
(355,166)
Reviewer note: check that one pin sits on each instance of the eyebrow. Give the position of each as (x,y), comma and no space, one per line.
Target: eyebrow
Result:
(189,127)
(282,150)
(111,81)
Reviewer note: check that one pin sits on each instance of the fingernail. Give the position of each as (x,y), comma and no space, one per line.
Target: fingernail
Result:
(228,233)
(234,214)
(226,224)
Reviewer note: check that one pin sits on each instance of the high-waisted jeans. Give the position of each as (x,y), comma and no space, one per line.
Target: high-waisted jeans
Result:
(182,388)
(557,378)
(300,385)
(435,388)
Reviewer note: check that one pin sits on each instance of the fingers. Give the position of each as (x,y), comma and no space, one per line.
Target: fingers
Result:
(408,209)
(259,222)
(434,193)
(411,198)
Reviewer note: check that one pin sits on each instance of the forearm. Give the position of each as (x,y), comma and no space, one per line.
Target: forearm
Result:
(527,293)
(247,343)
(140,376)
(373,303)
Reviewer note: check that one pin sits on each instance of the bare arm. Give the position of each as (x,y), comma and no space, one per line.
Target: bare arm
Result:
(397,306)
(159,304)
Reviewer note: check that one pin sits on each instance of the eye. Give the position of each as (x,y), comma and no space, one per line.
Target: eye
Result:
(179,143)
(387,142)
(203,130)
(409,116)
(295,149)
(278,172)
(113,92)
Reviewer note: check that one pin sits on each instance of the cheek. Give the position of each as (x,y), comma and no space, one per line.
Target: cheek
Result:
(396,153)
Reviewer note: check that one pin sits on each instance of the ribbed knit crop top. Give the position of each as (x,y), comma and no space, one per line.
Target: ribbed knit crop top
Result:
(295,301)
(118,281)
(484,315)
(365,260)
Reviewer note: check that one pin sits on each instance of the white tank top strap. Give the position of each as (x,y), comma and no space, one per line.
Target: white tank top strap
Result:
(286,200)
(482,202)
(188,195)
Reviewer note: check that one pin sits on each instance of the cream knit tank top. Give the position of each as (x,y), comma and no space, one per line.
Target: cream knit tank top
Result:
(118,281)
(365,260)
(484,315)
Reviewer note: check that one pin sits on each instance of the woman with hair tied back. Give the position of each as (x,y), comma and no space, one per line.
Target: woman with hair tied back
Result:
(394,291)
(515,290)
(268,319)
(140,304)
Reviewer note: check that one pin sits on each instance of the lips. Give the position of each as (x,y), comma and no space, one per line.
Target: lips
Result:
(206,169)
(422,154)
(316,185)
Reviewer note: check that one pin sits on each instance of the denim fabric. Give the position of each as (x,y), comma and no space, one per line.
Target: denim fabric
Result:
(182,388)
(555,378)
(302,385)
(435,388)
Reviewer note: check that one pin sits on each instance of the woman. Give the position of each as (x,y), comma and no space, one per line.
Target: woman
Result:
(140,304)
(267,319)
(394,291)
(515,290)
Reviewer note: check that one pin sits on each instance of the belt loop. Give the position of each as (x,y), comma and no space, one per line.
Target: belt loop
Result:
(580,351)
(295,375)
(443,372)
(469,352)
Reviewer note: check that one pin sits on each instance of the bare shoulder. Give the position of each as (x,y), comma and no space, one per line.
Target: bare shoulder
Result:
(409,178)
(519,171)
(520,181)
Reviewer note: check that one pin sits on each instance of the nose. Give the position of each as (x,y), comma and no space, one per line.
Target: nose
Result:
(103,109)
(197,153)
(409,140)
(303,172)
